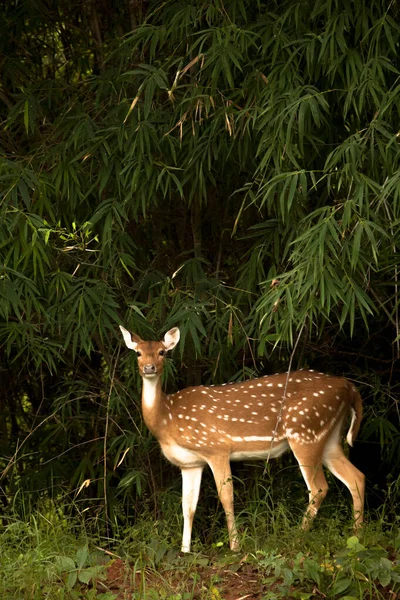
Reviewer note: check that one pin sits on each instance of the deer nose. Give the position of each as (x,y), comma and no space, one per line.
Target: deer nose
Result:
(149,369)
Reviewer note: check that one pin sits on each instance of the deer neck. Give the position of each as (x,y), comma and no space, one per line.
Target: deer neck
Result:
(152,403)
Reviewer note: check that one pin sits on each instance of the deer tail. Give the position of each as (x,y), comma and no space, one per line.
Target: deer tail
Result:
(356,416)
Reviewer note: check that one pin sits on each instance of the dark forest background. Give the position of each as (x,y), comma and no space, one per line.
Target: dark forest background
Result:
(231,168)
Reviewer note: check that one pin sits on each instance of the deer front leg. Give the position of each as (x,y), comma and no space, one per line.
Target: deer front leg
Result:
(191,480)
(221,469)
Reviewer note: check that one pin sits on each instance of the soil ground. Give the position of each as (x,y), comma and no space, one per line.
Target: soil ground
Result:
(239,580)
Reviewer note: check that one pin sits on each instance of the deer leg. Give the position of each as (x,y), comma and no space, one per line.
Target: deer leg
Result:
(315,479)
(317,489)
(191,480)
(223,478)
(354,480)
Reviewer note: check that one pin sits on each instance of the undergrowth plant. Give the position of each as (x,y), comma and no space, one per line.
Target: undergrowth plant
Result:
(43,557)
(353,572)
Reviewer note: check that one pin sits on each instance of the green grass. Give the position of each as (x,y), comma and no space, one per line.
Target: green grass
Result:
(47,555)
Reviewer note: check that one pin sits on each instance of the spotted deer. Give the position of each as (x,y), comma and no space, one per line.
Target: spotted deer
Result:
(259,418)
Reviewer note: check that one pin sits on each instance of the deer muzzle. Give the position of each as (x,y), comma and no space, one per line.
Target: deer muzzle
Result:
(149,369)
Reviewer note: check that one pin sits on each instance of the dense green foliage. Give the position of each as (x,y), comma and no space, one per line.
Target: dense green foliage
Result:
(231,168)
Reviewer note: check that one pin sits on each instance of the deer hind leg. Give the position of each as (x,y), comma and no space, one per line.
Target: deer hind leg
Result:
(191,480)
(313,475)
(223,479)
(354,480)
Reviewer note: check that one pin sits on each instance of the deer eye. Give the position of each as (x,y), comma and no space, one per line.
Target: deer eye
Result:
(138,353)
(162,352)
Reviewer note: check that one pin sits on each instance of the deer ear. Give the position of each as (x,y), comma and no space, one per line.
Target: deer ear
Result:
(131,339)
(171,338)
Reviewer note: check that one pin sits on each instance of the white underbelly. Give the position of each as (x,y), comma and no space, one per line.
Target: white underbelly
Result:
(182,457)
(261,454)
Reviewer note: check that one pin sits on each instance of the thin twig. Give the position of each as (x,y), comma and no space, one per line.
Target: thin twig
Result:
(396,285)
(105,442)
(278,420)
(13,459)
